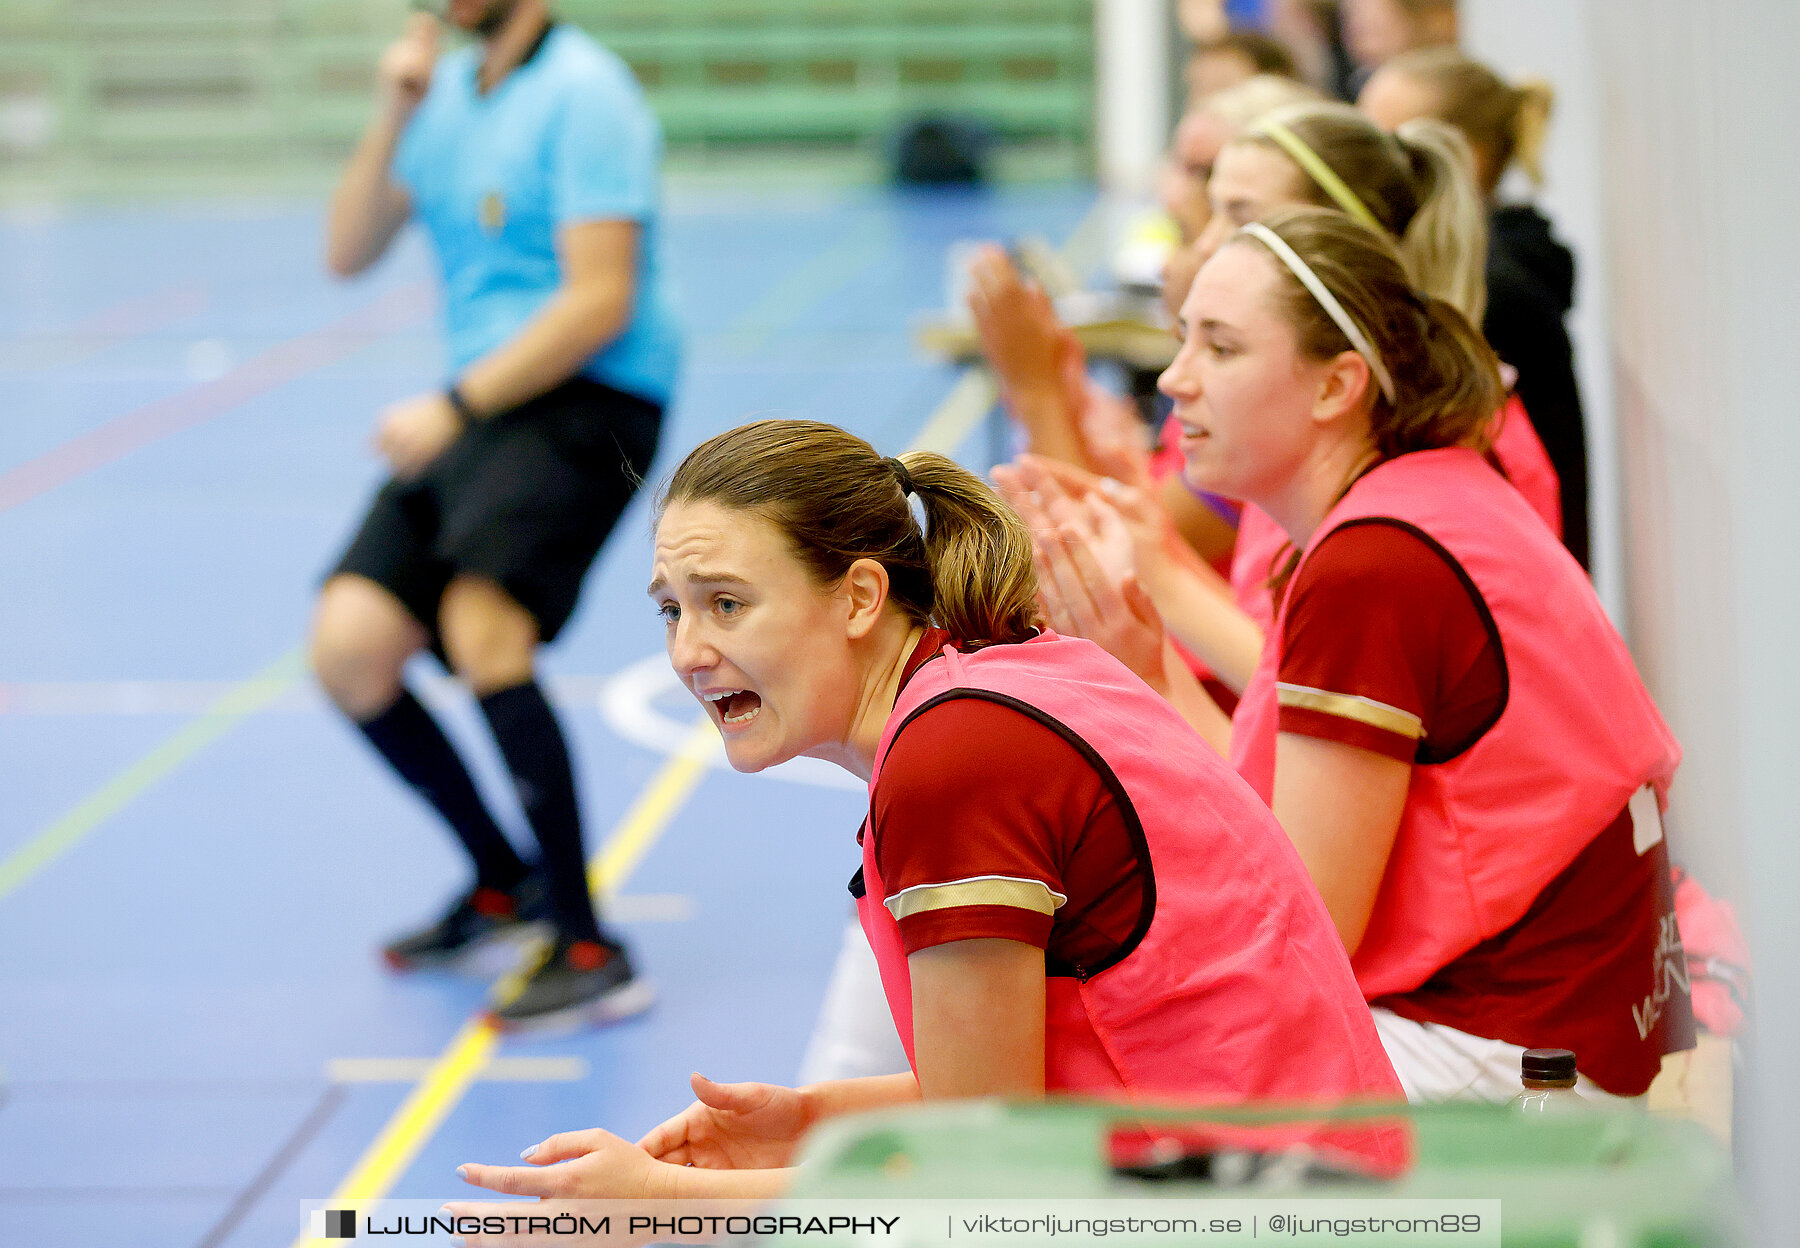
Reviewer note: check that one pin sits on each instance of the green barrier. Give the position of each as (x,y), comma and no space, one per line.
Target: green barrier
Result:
(29,17)
(380,18)
(259,86)
(816,13)
(172,17)
(1623,1179)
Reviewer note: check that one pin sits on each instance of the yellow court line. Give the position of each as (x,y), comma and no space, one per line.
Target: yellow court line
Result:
(969,400)
(668,792)
(461,1062)
(240,701)
(419,1116)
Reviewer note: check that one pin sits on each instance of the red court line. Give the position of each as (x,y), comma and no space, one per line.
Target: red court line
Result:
(280,364)
(141,315)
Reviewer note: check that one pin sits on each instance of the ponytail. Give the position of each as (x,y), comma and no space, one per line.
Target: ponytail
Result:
(835,500)
(1534,100)
(1445,244)
(1419,187)
(978,550)
(1446,378)
(1506,124)
(1455,397)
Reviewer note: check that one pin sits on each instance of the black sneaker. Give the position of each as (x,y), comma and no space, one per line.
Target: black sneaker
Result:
(478,920)
(578,982)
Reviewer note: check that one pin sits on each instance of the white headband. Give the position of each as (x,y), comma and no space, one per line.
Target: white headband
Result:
(1335,310)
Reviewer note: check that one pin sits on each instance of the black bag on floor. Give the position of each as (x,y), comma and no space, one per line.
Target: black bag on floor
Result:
(941,151)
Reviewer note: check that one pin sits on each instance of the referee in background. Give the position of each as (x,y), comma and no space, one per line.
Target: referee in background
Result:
(531,159)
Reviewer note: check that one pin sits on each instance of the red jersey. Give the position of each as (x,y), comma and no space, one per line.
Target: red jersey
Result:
(1230,983)
(1434,618)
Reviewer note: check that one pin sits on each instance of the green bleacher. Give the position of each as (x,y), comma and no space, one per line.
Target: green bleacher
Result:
(261,85)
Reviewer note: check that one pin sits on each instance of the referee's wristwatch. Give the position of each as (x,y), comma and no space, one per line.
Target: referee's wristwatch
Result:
(459,404)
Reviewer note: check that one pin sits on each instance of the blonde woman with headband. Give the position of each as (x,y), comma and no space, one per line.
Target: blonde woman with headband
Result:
(1416,187)
(1443,719)
(1530,273)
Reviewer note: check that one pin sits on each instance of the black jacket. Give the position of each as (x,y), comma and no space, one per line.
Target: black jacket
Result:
(1531,287)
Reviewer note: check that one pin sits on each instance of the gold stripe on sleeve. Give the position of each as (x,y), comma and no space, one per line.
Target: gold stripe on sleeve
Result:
(981,890)
(1349,706)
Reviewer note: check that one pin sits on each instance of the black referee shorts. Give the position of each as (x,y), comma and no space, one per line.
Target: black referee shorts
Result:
(525,499)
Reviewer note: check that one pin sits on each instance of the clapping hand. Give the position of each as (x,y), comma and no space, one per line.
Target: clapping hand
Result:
(1087,582)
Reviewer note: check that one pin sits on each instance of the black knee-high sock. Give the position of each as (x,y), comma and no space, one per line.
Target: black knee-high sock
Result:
(409,738)
(532,744)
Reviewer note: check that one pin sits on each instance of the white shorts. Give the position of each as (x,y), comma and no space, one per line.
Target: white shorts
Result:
(855,1035)
(1437,1063)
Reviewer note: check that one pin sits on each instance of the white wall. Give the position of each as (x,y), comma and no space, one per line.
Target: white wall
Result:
(1549,39)
(1132,92)
(1676,173)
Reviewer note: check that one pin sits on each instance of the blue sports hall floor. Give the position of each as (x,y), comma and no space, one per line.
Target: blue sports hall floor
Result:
(198,860)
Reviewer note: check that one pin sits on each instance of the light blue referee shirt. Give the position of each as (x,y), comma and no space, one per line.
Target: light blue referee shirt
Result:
(567,137)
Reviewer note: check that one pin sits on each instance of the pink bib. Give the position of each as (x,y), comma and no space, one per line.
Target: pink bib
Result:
(1235,986)
(1482,834)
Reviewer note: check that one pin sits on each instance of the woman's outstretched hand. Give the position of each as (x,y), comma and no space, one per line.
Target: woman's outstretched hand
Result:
(568,1172)
(579,1165)
(749,1129)
(732,1126)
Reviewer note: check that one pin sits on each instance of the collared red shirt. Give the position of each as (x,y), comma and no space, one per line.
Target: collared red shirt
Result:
(566,138)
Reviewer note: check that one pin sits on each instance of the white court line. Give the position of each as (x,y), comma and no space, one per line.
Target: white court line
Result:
(498,1070)
(627,702)
(193,697)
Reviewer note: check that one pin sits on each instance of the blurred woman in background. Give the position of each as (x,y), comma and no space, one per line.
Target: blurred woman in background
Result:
(1376,31)
(1218,64)
(1041,368)
(1530,274)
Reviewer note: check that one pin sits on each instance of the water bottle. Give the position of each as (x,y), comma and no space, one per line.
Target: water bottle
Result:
(1549,1079)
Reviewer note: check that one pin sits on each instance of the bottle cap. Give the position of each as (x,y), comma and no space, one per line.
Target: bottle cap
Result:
(1548,1066)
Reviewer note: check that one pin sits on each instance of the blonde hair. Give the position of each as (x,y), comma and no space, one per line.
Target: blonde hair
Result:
(1418,183)
(1508,121)
(1243,105)
(1447,385)
(836,500)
